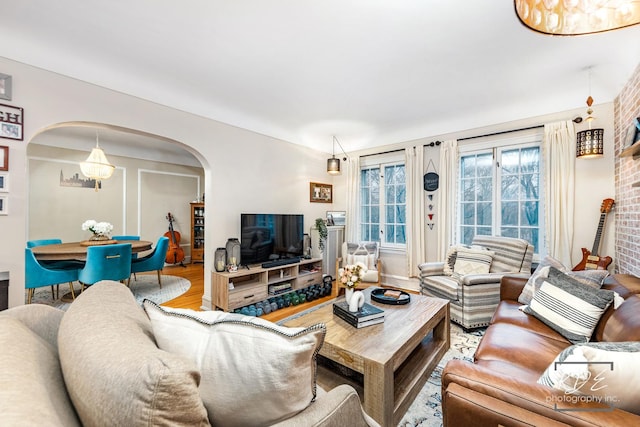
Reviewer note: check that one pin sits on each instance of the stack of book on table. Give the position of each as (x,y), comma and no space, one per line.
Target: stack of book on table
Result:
(367,315)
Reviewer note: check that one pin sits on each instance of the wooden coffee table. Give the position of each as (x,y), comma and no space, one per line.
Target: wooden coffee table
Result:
(395,358)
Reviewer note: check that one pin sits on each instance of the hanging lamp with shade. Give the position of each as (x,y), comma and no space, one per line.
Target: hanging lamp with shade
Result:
(97,167)
(590,142)
(333,164)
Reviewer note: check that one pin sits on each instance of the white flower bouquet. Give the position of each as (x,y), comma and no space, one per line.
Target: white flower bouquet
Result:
(97,228)
(351,275)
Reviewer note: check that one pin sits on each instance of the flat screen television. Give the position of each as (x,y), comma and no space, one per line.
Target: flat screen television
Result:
(268,237)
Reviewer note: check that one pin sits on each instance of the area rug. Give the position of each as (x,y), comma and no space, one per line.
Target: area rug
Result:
(144,287)
(426,409)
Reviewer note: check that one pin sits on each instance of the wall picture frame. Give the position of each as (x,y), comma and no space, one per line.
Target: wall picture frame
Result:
(4,182)
(320,193)
(4,158)
(4,207)
(5,86)
(11,122)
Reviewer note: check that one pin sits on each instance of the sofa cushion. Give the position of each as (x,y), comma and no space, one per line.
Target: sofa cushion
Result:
(607,370)
(115,373)
(568,306)
(32,389)
(593,278)
(472,261)
(510,254)
(272,368)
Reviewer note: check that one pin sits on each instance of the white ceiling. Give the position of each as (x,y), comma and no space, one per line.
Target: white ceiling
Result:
(371,72)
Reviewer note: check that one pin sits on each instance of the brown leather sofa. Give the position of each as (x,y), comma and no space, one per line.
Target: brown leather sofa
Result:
(500,387)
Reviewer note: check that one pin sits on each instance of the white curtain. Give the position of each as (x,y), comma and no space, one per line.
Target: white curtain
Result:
(558,151)
(447,194)
(353,191)
(415,232)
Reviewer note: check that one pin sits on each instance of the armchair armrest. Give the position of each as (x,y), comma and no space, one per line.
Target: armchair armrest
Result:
(335,408)
(492,396)
(431,269)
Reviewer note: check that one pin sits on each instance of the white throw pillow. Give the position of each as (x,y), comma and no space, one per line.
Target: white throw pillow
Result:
(253,372)
(610,371)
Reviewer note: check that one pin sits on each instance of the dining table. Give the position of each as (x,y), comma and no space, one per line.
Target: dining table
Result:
(78,250)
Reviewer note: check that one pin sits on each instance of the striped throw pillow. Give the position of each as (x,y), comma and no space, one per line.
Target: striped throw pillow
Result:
(571,308)
(472,261)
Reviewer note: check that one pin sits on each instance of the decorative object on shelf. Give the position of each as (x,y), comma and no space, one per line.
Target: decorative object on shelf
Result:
(97,166)
(333,164)
(233,253)
(306,248)
(5,86)
(321,226)
(320,193)
(100,233)
(11,122)
(219,259)
(633,134)
(570,18)
(4,158)
(590,142)
(337,217)
(356,301)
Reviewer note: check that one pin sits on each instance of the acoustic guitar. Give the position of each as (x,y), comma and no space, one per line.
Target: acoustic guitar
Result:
(175,254)
(590,259)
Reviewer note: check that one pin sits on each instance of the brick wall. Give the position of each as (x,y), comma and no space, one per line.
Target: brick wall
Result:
(627,169)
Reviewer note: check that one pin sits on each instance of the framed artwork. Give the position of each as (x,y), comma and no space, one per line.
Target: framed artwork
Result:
(3,205)
(11,122)
(4,158)
(5,87)
(320,193)
(336,217)
(4,182)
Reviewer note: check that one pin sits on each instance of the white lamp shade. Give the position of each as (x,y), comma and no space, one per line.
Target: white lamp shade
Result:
(97,166)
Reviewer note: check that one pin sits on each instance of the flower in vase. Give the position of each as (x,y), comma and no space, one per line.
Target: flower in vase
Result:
(97,228)
(351,275)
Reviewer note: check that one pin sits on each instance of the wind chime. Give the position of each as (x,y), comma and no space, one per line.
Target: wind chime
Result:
(431,181)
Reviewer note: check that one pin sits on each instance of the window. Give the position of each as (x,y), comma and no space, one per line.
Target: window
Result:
(502,196)
(383,203)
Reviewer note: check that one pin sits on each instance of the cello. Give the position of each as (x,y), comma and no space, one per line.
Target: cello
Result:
(175,254)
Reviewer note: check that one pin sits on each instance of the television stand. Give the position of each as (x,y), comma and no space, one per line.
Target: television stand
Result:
(252,285)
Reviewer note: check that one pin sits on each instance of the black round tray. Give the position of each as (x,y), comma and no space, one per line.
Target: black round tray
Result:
(378,296)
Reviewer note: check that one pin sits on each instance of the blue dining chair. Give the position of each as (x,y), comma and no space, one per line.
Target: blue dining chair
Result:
(154,261)
(37,276)
(128,237)
(106,262)
(54,264)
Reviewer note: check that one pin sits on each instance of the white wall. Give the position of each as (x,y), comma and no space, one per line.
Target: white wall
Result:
(244,171)
(594,182)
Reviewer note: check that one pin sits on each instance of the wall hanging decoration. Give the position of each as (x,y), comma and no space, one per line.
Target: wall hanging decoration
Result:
(11,122)
(4,182)
(3,205)
(431,179)
(4,158)
(320,193)
(5,87)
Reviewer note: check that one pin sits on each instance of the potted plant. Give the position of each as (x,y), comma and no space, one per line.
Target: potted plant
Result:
(321,226)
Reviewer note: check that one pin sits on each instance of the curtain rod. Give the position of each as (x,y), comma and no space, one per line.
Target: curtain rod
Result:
(384,152)
(500,133)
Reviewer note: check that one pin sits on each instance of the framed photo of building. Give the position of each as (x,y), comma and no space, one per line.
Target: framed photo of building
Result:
(320,193)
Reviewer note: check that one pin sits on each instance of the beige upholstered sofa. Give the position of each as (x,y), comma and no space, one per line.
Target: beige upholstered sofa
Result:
(474,295)
(98,364)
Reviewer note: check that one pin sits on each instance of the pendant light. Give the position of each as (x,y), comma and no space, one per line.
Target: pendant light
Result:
(333,164)
(590,142)
(577,17)
(97,166)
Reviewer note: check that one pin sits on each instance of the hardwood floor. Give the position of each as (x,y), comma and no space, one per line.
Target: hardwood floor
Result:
(192,299)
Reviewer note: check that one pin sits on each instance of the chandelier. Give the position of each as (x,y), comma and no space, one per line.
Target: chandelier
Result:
(97,166)
(575,17)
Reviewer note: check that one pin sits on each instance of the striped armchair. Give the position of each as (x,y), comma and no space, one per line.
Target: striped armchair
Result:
(474,294)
